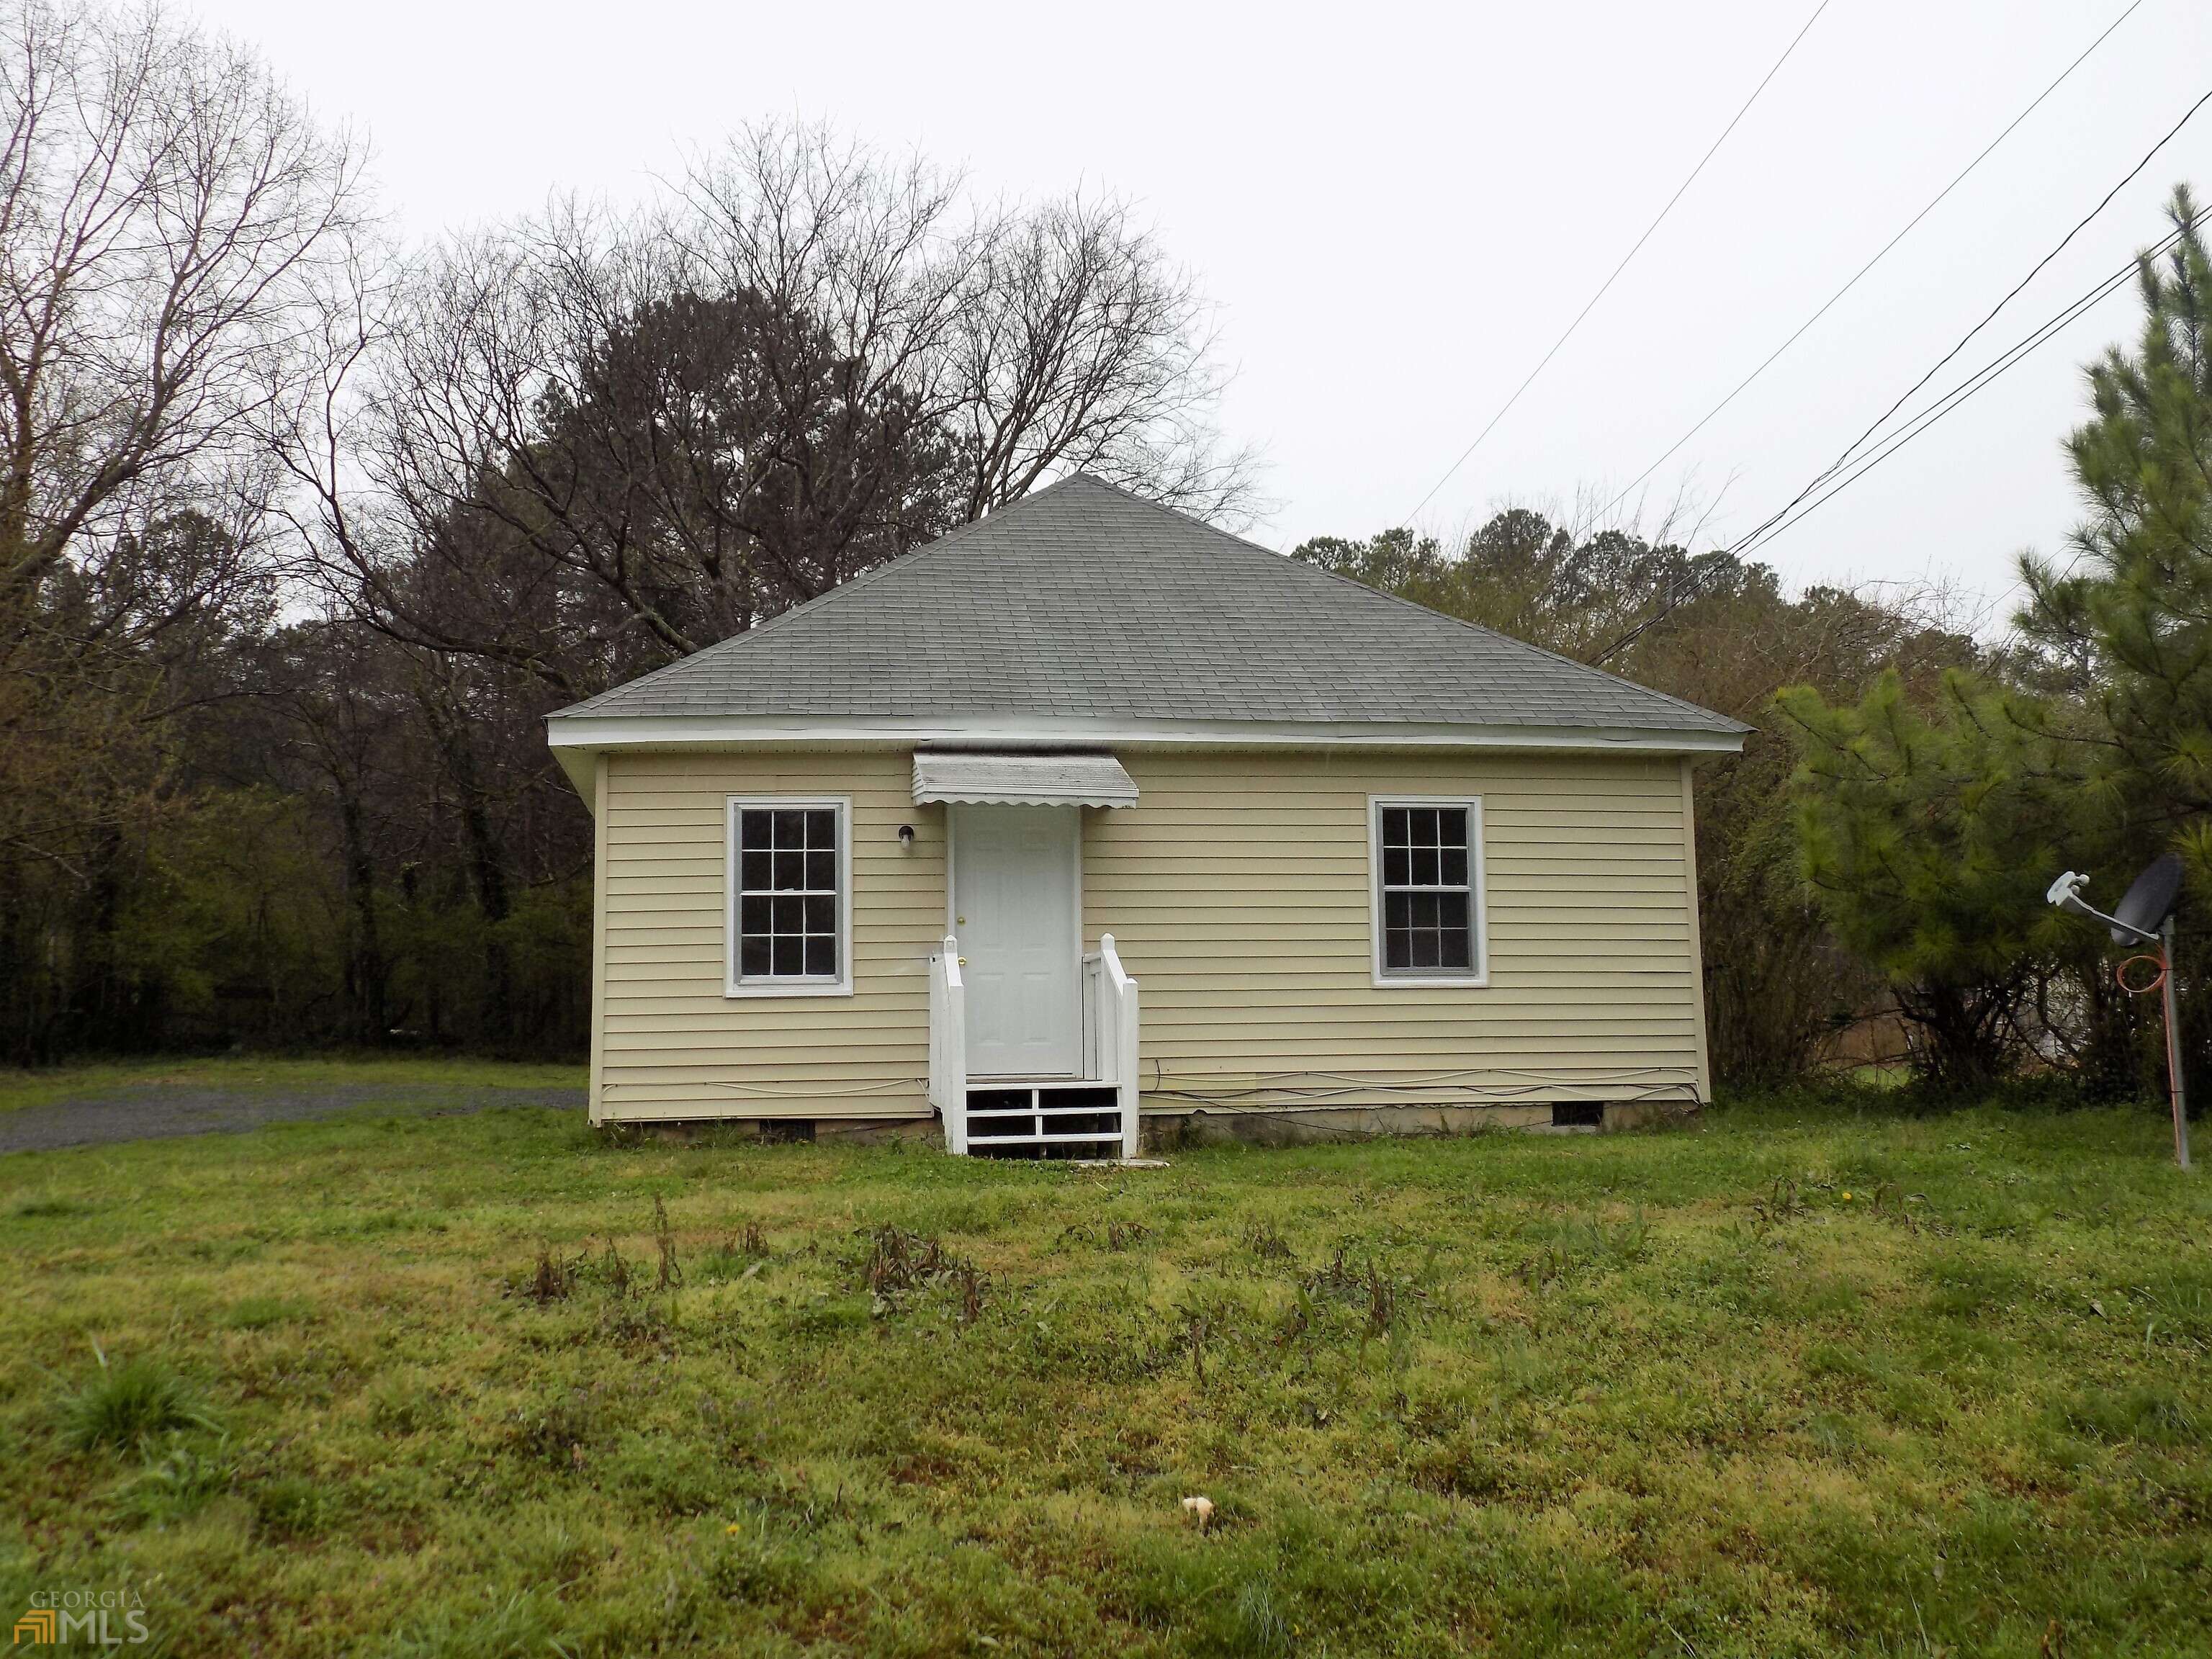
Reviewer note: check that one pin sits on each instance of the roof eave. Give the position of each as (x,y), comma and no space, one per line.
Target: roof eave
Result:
(573,737)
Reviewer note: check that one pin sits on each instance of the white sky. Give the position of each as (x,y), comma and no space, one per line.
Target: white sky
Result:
(1398,208)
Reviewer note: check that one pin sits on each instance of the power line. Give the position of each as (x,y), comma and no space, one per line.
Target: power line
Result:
(1881,253)
(1958,394)
(2012,295)
(1687,588)
(1625,257)
(1774,524)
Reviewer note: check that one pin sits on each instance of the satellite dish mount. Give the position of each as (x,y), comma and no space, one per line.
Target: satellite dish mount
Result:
(2145,916)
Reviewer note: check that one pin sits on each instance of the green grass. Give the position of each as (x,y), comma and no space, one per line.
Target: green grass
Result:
(1804,1383)
(269,1073)
(130,1406)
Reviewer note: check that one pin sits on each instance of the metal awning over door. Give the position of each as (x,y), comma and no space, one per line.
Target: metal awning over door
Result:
(1018,779)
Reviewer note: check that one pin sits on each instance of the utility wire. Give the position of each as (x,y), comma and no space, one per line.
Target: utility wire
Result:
(1764,532)
(2013,293)
(1706,419)
(1958,394)
(1688,587)
(1625,257)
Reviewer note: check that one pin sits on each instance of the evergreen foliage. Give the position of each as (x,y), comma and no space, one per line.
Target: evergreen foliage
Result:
(1931,838)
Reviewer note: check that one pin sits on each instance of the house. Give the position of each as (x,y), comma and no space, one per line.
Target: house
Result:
(1089,811)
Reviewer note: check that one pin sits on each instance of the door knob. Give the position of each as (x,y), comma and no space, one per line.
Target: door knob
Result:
(959,921)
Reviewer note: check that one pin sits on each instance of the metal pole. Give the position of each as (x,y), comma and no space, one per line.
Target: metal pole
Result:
(2173,1056)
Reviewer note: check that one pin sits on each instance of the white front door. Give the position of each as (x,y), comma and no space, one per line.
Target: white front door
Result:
(1013,909)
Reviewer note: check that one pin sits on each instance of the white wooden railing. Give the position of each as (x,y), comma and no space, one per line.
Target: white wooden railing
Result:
(1109,1039)
(1109,1032)
(948,1044)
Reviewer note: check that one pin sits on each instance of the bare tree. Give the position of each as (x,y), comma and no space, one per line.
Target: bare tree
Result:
(592,442)
(1082,347)
(164,208)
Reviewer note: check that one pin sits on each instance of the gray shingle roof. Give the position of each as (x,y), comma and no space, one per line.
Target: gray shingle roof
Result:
(1085,600)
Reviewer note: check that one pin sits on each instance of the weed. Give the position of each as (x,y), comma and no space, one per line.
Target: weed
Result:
(1198,1326)
(1360,1285)
(614,1272)
(550,1277)
(129,1405)
(1571,1249)
(899,1263)
(1257,1623)
(739,1255)
(1297,1322)
(1887,1201)
(1264,1241)
(556,1433)
(1382,1301)
(637,1325)
(968,1285)
(1781,1202)
(180,1480)
(900,1260)
(663,1240)
(1119,1235)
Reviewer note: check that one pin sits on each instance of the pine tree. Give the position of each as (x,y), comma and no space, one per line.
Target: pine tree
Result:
(1930,841)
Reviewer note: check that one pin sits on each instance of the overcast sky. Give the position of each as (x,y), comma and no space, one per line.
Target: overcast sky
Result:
(1398,210)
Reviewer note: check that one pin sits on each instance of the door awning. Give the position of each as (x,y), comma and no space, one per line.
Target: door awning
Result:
(1022,779)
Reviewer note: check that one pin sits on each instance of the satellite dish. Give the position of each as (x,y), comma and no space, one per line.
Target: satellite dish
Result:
(2149,902)
(2140,918)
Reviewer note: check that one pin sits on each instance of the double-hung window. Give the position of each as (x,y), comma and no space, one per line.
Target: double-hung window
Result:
(1426,869)
(790,884)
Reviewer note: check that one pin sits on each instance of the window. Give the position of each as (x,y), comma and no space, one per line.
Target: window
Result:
(790,886)
(1427,858)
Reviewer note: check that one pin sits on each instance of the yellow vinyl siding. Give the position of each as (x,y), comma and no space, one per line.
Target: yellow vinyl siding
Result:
(672,1044)
(1237,890)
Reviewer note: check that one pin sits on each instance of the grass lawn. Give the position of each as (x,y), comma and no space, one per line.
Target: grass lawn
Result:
(261,1072)
(1806,1382)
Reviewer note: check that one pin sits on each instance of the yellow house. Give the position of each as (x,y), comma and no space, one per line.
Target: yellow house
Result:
(1089,813)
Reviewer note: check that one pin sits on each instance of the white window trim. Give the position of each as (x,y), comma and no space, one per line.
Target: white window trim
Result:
(789,985)
(1477,893)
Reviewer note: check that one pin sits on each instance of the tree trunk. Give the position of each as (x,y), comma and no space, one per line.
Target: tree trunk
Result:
(365,972)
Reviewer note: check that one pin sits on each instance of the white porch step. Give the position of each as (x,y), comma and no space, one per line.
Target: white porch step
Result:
(1045,1118)
(1091,1116)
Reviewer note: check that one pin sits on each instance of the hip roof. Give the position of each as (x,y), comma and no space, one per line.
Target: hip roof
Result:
(1085,601)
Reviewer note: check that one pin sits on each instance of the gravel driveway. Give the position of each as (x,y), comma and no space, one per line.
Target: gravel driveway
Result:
(157,1111)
